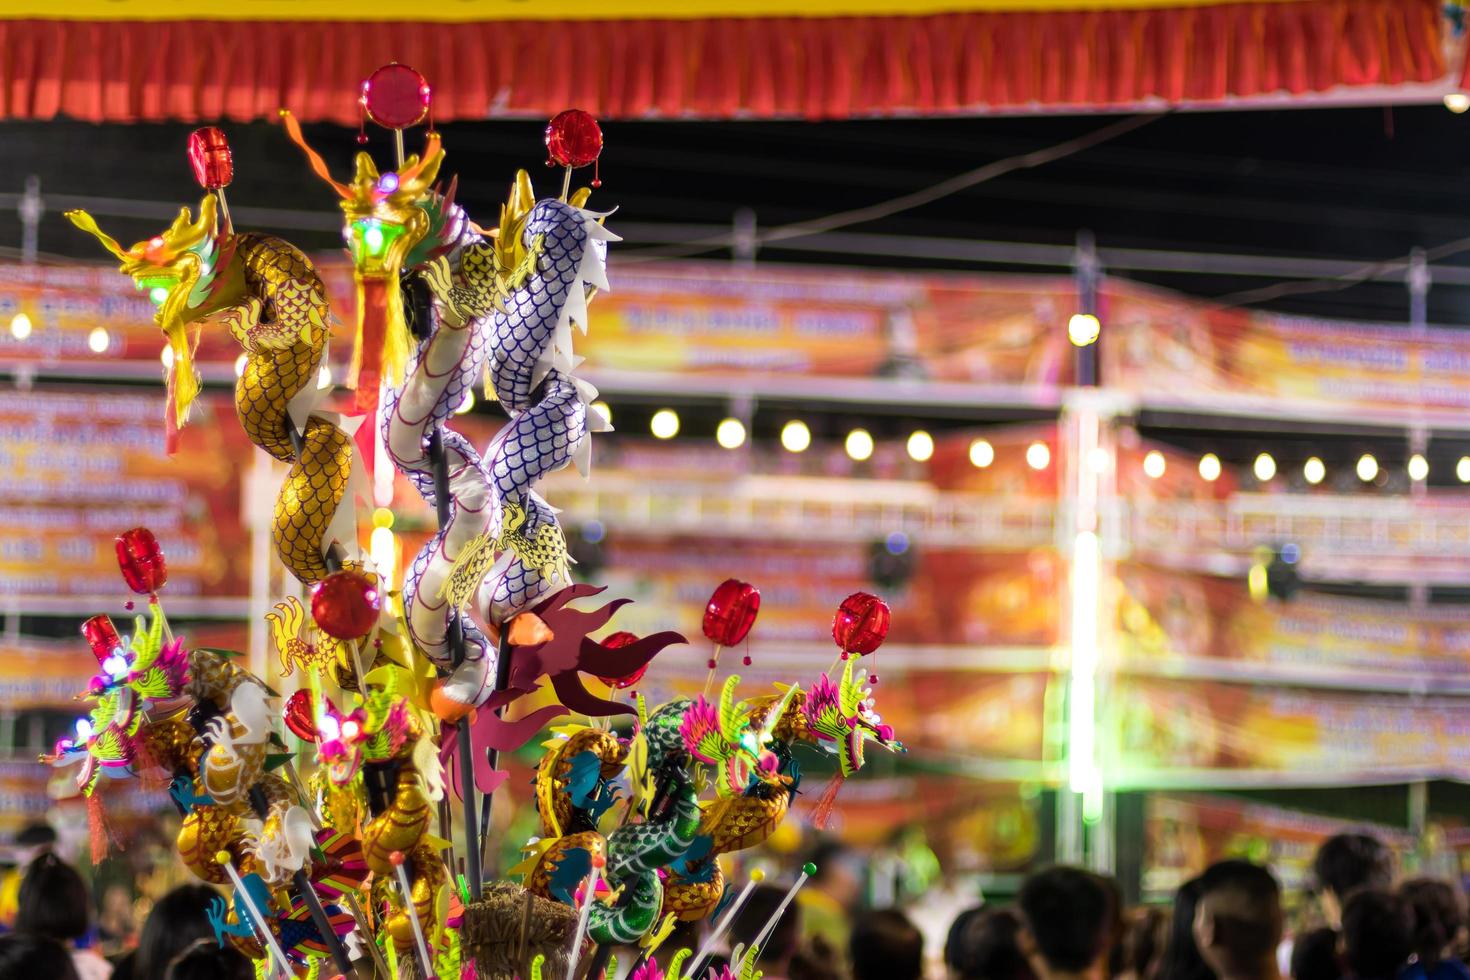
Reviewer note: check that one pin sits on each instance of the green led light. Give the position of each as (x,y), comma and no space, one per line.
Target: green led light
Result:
(158,294)
(373,239)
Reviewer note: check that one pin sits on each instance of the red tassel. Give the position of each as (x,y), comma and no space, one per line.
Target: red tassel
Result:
(99,828)
(822,810)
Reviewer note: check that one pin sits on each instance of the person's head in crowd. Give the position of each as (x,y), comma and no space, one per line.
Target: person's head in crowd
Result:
(1143,943)
(53,901)
(982,945)
(1344,864)
(178,920)
(1377,934)
(885,945)
(204,960)
(1238,921)
(1439,918)
(33,840)
(1314,956)
(1071,920)
(24,956)
(1181,959)
(783,940)
(839,873)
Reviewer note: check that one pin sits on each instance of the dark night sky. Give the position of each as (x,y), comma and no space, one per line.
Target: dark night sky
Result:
(1351,184)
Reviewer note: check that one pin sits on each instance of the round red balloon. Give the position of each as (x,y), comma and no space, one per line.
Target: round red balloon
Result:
(614,641)
(345,605)
(299,716)
(396,96)
(731,612)
(573,138)
(861,623)
(141,560)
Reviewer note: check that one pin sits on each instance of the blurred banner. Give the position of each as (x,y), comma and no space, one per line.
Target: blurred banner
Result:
(1158,342)
(1167,618)
(1165,733)
(80,467)
(1187,832)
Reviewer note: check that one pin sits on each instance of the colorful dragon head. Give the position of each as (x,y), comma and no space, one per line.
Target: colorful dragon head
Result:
(844,713)
(179,269)
(342,739)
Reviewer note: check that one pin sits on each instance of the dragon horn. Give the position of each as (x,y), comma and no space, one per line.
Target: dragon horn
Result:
(318,165)
(87,223)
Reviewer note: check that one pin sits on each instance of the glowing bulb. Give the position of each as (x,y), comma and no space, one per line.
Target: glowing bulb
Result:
(167,357)
(920,446)
(730,433)
(795,436)
(468,403)
(859,444)
(1154,464)
(384,552)
(1462,469)
(1038,456)
(982,454)
(1456,102)
(664,424)
(604,409)
(1209,467)
(1367,468)
(158,295)
(1314,470)
(324,377)
(20,326)
(98,340)
(1264,467)
(1100,459)
(1083,329)
(373,239)
(1418,467)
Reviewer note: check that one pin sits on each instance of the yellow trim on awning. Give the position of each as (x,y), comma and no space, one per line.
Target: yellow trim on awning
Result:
(467,11)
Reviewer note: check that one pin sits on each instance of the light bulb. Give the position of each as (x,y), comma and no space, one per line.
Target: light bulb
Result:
(1456,102)
(1462,469)
(1209,467)
(604,408)
(1154,464)
(98,340)
(859,444)
(1314,470)
(1367,468)
(240,363)
(920,446)
(468,404)
(982,454)
(166,356)
(20,326)
(664,424)
(1083,329)
(1038,456)
(1264,467)
(730,433)
(1418,467)
(795,436)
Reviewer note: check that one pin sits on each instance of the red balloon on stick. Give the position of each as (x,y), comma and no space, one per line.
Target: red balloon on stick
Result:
(299,716)
(396,97)
(613,641)
(573,138)
(345,605)
(731,612)
(141,560)
(861,623)
(209,155)
(101,636)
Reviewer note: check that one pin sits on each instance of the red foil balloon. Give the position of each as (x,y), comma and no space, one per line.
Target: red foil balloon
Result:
(141,560)
(299,716)
(621,639)
(396,97)
(345,605)
(101,636)
(861,623)
(209,155)
(573,138)
(731,612)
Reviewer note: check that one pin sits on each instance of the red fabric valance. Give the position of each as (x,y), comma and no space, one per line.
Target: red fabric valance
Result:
(828,67)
